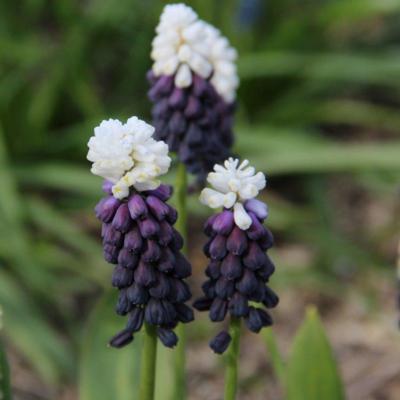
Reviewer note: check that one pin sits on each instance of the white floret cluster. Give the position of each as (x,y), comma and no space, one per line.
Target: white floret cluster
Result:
(127,155)
(184,45)
(233,184)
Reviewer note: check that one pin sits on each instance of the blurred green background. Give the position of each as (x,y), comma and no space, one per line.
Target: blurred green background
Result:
(318,113)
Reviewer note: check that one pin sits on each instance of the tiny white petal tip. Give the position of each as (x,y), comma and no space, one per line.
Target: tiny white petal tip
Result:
(184,40)
(127,155)
(232,185)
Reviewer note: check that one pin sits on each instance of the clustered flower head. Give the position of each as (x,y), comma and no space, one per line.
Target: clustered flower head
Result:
(127,155)
(193,88)
(137,231)
(239,267)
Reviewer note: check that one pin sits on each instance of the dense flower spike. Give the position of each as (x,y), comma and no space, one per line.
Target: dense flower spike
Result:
(239,267)
(138,233)
(127,155)
(139,238)
(193,88)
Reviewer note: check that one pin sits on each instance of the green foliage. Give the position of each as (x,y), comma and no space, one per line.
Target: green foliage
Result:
(107,373)
(312,372)
(5,384)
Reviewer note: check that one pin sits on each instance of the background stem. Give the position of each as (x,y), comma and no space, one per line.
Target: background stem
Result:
(231,374)
(181,226)
(147,373)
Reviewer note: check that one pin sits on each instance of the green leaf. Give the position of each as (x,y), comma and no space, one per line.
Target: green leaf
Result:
(164,374)
(5,385)
(354,68)
(107,373)
(26,328)
(312,370)
(275,355)
(271,153)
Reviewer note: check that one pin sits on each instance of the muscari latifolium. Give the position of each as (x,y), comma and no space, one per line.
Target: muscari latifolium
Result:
(193,90)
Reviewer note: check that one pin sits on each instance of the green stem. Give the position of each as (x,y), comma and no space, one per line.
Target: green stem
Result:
(148,368)
(181,226)
(231,374)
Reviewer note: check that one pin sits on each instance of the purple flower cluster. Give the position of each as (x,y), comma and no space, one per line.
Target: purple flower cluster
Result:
(238,271)
(195,122)
(139,238)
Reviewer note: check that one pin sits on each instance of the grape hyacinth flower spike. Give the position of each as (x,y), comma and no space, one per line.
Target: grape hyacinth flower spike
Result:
(239,267)
(138,233)
(193,88)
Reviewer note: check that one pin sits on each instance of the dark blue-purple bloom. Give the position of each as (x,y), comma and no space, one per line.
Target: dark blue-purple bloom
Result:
(238,272)
(139,237)
(195,122)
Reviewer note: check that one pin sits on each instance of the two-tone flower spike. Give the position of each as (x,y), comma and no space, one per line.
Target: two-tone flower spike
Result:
(193,88)
(137,231)
(239,267)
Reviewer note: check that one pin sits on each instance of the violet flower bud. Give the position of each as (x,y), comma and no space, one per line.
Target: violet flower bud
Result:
(106,208)
(224,223)
(137,207)
(157,207)
(122,221)
(127,259)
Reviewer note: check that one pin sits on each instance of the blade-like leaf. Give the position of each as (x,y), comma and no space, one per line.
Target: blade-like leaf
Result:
(107,373)
(5,386)
(26,328)
(312,371)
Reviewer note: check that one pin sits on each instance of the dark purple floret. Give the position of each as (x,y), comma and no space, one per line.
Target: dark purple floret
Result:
(121,339)
(237,241)
(220,342)
(163,192)
(218,248)
(167,337)
(138,235)
(218,309)
(135,320)
(238,272)
(195,122)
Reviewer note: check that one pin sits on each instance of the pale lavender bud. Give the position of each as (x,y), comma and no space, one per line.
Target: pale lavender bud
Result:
(259,208)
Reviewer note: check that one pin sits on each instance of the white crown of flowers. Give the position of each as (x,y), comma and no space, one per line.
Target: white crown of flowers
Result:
(233,184)
(184,44)
(127,155)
